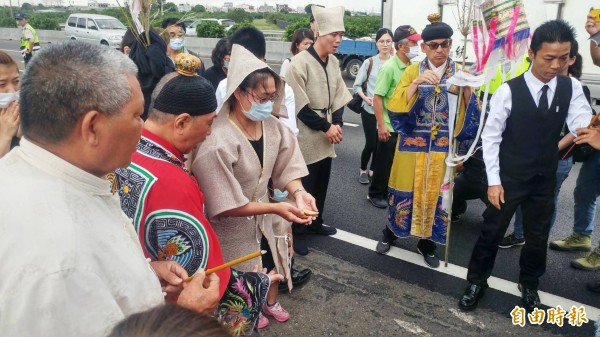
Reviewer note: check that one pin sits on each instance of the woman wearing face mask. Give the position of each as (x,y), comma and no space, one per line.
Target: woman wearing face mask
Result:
(220,59)
(301,40)
(174,36)
(384,44)
(9,103)
(247,148)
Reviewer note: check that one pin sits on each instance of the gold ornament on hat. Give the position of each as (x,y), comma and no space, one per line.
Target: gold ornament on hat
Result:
(435,17)
(187,64)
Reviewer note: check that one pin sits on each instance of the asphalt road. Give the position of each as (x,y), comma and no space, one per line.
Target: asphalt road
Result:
(348,210)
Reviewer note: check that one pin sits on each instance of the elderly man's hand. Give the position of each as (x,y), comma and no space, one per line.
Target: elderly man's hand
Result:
(590,136)
(591,26)
(496,195)
(428,76)
(171,276)
(201,294)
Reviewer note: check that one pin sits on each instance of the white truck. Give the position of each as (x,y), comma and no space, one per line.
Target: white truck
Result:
(406,12)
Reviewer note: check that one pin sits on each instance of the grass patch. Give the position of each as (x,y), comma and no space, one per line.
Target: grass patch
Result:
(262,24)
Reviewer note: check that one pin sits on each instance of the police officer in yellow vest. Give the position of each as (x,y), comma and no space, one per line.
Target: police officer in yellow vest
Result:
(29,38)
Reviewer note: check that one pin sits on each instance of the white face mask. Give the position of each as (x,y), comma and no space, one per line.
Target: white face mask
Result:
(413,52)
(7,98)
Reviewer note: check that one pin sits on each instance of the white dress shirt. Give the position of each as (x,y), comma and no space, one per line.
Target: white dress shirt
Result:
(289,103)
(72,264)
(578,116)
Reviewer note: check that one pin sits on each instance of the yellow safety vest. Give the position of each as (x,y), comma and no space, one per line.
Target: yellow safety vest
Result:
(25,42)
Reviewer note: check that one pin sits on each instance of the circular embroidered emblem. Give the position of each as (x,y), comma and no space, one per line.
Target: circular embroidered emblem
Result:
(176,236)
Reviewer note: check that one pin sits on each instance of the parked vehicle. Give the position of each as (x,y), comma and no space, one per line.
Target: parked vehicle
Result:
(191,28)
(352,53)
(96,29)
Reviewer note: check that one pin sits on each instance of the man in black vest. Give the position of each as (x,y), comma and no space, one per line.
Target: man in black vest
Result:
(519,148)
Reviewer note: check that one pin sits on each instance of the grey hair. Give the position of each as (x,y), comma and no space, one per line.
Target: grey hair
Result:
(156,115)
(66,80)
(402,42)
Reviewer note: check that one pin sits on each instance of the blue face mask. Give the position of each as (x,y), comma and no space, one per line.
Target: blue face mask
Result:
(279,195)
(258,111)
(176,44)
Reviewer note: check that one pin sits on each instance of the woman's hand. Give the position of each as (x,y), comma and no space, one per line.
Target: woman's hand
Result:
(291,213)
(9,121)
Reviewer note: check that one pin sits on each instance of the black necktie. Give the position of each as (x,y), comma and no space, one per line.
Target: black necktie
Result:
(543,105)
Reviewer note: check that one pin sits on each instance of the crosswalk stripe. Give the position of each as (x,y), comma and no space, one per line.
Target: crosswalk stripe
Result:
(550,300)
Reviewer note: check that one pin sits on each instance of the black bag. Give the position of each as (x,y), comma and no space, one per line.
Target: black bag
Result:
(581,152)
(356,102)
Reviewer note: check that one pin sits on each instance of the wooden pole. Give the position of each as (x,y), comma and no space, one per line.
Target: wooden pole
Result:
(454,146)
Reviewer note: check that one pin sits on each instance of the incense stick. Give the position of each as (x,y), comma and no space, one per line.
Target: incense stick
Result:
(231,263)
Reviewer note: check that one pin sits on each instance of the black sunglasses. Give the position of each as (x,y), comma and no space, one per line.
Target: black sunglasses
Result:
(435,45)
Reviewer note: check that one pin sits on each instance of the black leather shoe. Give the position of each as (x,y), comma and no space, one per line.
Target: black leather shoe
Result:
(300,245)
(322,230)
(299,277)
(530,298)
(377,202)
(471,297)
(594,287)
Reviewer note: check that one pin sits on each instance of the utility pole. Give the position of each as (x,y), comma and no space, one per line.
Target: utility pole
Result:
(11,12)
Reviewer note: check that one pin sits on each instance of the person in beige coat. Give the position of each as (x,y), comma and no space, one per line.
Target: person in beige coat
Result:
(249,147)
(320,94)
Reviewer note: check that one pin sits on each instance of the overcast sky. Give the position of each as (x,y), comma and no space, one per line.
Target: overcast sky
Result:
(361,5)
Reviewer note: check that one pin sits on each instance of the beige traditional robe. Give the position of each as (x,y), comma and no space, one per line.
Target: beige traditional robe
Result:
(311,85)
(229,173)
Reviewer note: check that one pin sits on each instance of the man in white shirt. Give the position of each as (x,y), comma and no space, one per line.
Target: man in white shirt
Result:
(519,149)
(72,263)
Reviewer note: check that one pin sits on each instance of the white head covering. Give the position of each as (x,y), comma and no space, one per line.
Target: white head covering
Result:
(329,20)
(242,64)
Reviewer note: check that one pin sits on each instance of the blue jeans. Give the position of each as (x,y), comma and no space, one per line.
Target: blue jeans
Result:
(587,190)
(562,172)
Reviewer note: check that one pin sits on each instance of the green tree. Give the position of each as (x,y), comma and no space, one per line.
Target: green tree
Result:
(169,7)
(273,17)
(210,29)
(240,15)
(199,9)
(289,30)
(26,6)
(237,26)
(347,13)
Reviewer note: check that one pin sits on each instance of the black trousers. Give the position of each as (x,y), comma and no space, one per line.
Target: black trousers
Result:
(316,183)
(468,186)
(536,198)
(425,245)
(27,57)
(370,129)
(383,165)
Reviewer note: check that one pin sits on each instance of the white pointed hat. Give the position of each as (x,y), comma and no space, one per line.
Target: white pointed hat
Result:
(329,20)
(242,64)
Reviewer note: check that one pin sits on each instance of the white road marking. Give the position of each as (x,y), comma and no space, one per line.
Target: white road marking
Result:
(412,328)
(550,300)
(466,318)
(351,124)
